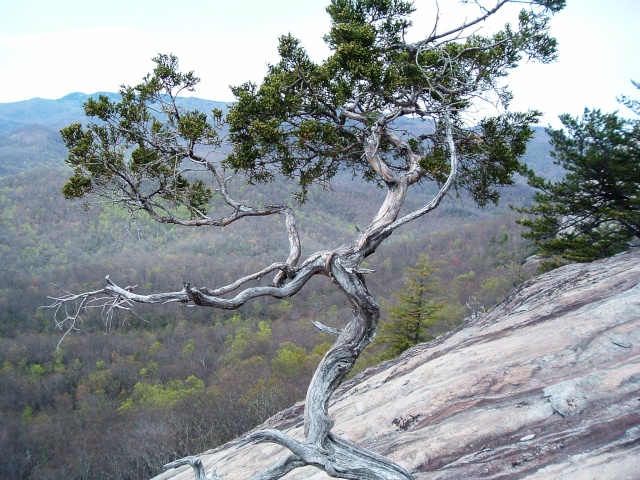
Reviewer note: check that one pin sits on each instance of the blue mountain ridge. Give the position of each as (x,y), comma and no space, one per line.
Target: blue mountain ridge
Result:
(29,132)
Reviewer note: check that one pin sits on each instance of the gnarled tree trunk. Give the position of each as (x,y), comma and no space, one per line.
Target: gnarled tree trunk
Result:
(306,121)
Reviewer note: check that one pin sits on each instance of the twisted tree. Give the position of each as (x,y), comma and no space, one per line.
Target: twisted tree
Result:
(305,122)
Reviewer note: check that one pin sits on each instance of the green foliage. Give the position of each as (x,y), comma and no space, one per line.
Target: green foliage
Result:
(492,158)
(594,212)
(27,414)
(160,395)
(236,345)
(189,349)
(415,313)
(155,347)
(101,381)
(36,371)
(134,155)
(289,361)
(308,121)
(246,343)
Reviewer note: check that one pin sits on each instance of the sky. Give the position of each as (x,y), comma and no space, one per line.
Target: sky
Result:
(49,49)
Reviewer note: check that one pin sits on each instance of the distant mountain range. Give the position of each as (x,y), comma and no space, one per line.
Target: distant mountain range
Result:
(30,129)
(30,138)
(57,114)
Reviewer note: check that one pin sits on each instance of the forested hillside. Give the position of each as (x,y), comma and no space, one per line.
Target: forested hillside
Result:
(118,399)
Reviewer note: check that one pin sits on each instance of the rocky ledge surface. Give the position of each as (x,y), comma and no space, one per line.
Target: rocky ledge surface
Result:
(546,385)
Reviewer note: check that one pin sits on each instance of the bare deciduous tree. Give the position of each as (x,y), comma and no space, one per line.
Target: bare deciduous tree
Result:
(305,122)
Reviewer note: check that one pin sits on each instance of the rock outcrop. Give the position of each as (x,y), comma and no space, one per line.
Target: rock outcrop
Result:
(546,385)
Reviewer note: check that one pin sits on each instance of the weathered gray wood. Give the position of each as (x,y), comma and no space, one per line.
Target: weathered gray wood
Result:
(322,448)
(454,87)
(546,382)
(196,464)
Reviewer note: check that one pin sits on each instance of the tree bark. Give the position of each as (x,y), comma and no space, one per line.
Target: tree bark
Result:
(336,456)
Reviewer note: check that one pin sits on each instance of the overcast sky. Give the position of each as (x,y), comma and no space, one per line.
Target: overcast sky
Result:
(51,48)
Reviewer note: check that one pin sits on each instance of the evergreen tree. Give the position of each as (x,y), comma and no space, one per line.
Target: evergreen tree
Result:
(594,212)
(415,312)
(304,123)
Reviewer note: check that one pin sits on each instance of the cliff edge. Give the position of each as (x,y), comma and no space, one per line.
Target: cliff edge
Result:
(546,385)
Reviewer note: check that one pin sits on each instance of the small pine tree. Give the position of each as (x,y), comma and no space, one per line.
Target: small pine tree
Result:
(415,313)
(594,212)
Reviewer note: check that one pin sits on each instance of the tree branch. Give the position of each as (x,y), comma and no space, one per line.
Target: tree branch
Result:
(451,179)
(196,464)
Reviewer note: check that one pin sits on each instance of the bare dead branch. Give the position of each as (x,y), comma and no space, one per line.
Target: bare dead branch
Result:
(196,464)
(335,332)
